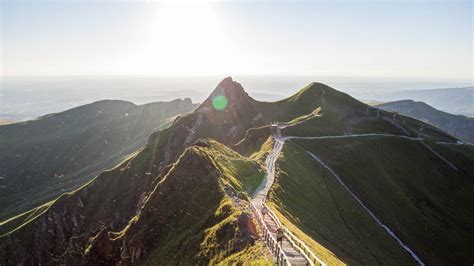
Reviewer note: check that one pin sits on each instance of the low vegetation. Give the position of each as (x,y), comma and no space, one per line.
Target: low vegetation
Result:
(44,158)
(420,197)
(197,212)
(321,212)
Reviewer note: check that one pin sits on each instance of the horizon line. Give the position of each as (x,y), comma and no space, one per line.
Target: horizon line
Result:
(371,78)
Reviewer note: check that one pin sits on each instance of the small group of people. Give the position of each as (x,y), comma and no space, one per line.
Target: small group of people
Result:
(279,231)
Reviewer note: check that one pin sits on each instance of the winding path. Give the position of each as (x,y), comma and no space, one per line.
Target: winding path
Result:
(262,191)
(287,252)
(293,250)
(352,136)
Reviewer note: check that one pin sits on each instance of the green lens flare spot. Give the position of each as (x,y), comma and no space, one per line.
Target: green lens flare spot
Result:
(219,102)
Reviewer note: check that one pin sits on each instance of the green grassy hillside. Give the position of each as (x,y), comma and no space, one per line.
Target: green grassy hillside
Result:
(197,212)
(307,100)
(421,198)
(341,114)
(459,126)
(314,202)
(43,158)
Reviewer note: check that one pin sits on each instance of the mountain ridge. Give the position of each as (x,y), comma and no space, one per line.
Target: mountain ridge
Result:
(459,126)
(457,101)
(86,223)
(57,152)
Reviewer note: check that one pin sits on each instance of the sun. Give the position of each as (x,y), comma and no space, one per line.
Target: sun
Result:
(186,38)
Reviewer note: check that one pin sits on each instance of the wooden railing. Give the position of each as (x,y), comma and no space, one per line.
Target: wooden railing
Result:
(270,240)
(295,241)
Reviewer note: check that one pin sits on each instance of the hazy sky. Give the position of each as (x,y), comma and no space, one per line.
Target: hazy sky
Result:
(397,39)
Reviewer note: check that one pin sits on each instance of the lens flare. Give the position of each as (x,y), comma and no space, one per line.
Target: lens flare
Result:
(219,102)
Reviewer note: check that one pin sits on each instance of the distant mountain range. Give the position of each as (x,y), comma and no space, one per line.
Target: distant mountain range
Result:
(356,184)
(5,122)
(41,159)
(460,126)
(459,101)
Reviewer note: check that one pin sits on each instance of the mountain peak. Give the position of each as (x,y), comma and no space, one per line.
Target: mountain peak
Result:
(226,81)
(230,88)
(317,86)
(317,94)
(227,93)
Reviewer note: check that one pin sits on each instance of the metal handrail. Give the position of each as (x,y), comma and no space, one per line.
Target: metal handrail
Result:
(307,253)
(270,239)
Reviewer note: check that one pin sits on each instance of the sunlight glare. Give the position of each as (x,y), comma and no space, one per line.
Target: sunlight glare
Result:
(186,38)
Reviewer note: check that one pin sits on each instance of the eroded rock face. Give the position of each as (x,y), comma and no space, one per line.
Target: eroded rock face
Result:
(226,126)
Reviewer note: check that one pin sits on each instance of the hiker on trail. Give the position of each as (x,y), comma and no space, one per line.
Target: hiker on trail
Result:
(279,235)
(264,212)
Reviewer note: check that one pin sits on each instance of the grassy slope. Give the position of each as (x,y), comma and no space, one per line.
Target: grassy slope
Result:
(189,216)
(358,240)
(333,122)
(458,125)
(303,102)
(253,141)
(112,198)
(314,202)
(243,174)
(198,213)
(342,114)
(426,203)
(43,158)
(463,156)
(326,125)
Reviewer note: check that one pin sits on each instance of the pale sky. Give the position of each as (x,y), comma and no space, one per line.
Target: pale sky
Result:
(395,39)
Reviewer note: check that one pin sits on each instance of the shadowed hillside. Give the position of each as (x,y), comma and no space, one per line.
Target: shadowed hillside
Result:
(460,126)
(40,159)
(457,101)
(196,212)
